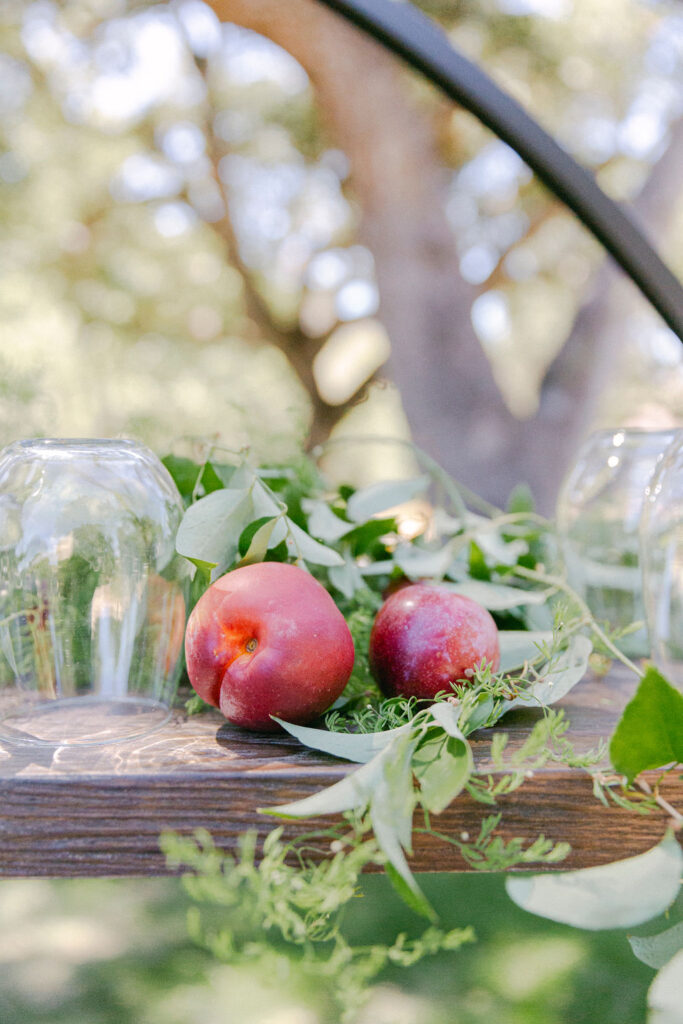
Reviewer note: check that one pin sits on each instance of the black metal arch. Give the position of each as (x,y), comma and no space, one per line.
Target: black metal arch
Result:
(410,34)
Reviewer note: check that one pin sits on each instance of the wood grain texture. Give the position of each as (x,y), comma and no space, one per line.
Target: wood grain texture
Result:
(86,811)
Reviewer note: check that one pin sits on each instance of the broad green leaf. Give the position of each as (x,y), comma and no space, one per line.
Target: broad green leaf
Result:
(520,645)
(184,473)
(442,764)
(362,539)
(301,545)
(619,895)
(665,996)
(657,950)
(323,523)
(477,565)
(370,501)
(497,597)
(561,675)
(649,733)
(358,746)
(187,474)
(210,529)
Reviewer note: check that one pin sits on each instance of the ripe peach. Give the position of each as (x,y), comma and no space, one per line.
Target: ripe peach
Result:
(425,637)
(267,639)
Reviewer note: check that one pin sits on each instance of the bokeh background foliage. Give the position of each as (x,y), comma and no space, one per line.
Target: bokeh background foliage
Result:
(112,952)
(264,228)
(241,220)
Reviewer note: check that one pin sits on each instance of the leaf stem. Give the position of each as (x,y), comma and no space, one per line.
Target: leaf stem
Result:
(676,816)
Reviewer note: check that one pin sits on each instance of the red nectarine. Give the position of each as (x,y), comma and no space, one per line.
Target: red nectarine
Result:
(267,639)
(425,637)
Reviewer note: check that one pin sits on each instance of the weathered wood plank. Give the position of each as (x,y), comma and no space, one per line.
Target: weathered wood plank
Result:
(70,811)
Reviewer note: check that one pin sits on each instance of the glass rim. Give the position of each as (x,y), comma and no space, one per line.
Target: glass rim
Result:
(75,442)
(633,432)
(44,447)
(630,438)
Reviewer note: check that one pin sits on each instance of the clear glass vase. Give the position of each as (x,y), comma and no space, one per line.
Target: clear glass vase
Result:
(92,594)
(598,517)
(661,537)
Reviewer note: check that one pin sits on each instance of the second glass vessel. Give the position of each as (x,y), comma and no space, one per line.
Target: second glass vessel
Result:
(598,518)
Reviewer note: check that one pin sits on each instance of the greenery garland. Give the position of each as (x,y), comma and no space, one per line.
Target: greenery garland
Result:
(287,904)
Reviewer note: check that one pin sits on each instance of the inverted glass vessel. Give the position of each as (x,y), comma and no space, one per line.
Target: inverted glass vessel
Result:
(92,594)
(661,535)
(598,518)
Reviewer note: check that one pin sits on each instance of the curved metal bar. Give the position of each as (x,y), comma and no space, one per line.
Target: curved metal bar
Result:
(402,28)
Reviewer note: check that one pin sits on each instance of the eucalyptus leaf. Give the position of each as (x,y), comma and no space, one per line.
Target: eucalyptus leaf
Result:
(301,545)
(486,534)
(649,733)
(665,996)
(618,895)
(447,715)
(392,801)
(419,562)
(382,567)
(657,950)
(351,792)
(497,597)
(268,534)
(323,523)
(518,646)
(228,475)
(443,765)
(347,578)
(409,891)
(560,676)
(370,501)
(210,529)
(480,715)
(391,815)
(359,746)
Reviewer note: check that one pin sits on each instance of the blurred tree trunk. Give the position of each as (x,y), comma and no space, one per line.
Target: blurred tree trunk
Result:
(454,407)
